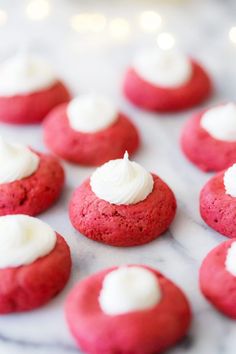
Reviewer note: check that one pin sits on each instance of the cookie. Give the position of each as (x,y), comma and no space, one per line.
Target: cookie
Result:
(33,194)
(89,147)
(122,224)
(204,150)
(26,284)
(148,330)
(218,278)
(217,207)
(166,81)
(28,89)
(32,108)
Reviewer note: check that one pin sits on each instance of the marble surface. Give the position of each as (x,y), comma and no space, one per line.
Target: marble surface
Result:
(90,63)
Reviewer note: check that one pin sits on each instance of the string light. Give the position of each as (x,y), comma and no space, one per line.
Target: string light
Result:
(38,10)
(119,28)
(165,41)
(3,17)
(86,22)
(232,34)
(150,21)
(98,22)
(80,22)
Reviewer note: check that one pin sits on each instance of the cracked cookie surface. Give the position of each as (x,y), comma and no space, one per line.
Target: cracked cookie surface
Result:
(123,225)
(217,208)
(36,193)
(30,286)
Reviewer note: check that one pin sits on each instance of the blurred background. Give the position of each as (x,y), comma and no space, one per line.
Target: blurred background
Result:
(74,32)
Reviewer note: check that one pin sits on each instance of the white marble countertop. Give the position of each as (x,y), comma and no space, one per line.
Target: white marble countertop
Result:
(97,63)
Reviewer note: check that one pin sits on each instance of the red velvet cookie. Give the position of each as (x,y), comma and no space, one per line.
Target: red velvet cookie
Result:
(89,148)
(33,107)
(217,283)
(155,98)
(36,193)
(123,225)
(139,332)
(29,286)
(217,208)
(202,149)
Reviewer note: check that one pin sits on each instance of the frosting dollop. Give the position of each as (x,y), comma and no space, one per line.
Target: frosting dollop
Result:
(91,113)
(129,289)
(166,68)
(16,162)
(23,74)
(230,263)
(230,181)
(121,181)
(23,239)
(220,122)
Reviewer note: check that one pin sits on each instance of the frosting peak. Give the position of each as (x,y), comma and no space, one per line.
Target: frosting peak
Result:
(23,239)
(127,172)
(16,162)
(23,74)
(129,289)
(165,68)
(121,181)
(220,122)
(91,113)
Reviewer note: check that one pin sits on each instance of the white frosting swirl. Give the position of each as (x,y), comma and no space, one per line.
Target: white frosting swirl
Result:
(23,239)
(164,68)
(230,181)
(121,181)
(220,122)
(230,261)
(16,162)
(24,74)
(91,113)
(129,289)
